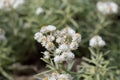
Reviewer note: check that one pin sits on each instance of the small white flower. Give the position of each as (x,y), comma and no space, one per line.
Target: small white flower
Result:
(46,55)
(57,59)
(74,45)
(51,28)
(70,55)
(44,40)
(76,38)
(68,31)
(97,41)
(46,29)
(63,57)
(64,77)
(39,10)
(57,76)
(43,30)
(49,46)
(38,36)
(58,51)
(50,38)
(107,7)
(60,40)
(64,47)
(67,56)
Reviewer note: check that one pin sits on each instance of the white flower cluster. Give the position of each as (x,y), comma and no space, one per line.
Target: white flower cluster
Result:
(56,76)
(2,35)
(107,7)
(97,41)
(60,42)
(39,10)
(7,4)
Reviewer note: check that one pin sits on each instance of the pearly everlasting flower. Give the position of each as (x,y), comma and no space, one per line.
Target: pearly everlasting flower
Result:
(49,46)
(54,76)
(46,55)
(44,41)
(64,47)
(50,38)
(76,38)
(67,56)
(51,28)
(7,4)
(63,57)
(38,36)
(57,76)
(70,56)
(64,77)
(97,41)
(58,51)
(69,31)
(57,59)
(107,7)
(74,45)
(39,10)
(60,40)
(43,30)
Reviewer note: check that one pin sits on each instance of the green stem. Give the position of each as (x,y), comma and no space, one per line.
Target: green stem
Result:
(5,74)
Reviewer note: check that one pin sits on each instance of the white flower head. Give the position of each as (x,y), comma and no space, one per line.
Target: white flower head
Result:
(49,46)
(39,10)
(51,28)
(60,40)
(50,38)
(57,76)
(43,30)
(64,77)
(38,36)
(70,55)
(44,41)
(64,47)
(57,59)
(58,51)
(107,7)
(68,31)
(74,45)
(76,38)
(63,57)
(97,41)
(46,55)
(67,56)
